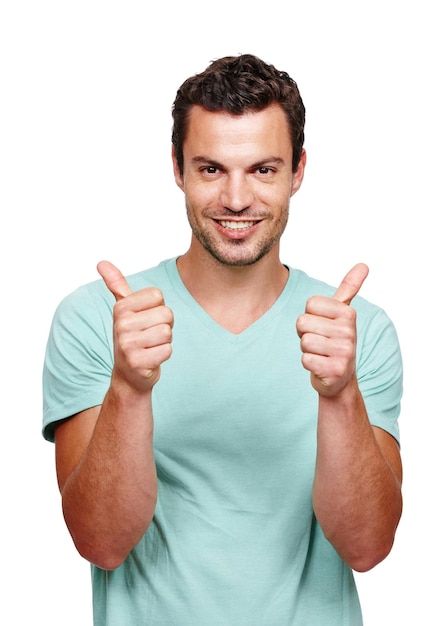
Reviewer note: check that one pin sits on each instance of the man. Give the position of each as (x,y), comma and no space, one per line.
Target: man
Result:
(232,470)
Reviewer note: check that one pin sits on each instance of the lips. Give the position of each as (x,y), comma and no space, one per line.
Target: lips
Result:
(236,225)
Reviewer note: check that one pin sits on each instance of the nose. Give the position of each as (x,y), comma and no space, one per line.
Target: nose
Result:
(237,192)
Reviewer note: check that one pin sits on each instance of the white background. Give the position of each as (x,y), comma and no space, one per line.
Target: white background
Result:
(86,91)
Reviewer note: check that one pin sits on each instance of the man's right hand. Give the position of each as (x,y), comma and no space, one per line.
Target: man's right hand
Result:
(142,330)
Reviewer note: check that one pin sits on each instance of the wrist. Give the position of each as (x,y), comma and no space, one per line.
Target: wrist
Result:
(348,396)
(123,393)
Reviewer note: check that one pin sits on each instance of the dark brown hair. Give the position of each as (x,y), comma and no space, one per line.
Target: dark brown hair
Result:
(238,85)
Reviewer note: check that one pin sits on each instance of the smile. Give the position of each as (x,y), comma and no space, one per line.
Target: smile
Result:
(236,225)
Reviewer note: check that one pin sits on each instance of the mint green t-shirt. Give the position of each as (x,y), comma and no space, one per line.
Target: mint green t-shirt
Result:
(234,541)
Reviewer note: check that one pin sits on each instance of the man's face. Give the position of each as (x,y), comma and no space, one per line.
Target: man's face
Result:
(238,181)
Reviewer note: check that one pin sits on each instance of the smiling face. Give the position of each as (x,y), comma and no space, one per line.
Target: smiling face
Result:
(238,181)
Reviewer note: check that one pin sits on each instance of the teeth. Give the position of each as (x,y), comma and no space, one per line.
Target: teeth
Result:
(236,225)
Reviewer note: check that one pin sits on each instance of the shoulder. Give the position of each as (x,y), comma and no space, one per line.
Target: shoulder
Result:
(157,276)
(96,296)
(308,286)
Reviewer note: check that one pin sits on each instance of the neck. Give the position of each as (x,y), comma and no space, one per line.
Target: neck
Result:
(234,297)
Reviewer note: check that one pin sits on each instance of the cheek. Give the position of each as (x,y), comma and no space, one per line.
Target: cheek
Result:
(201,195)
(274,197)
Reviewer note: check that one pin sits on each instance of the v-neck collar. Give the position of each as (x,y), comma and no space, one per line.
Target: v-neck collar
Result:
(208,322)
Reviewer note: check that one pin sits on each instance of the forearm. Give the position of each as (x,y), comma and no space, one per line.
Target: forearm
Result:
(110,496)
(356,492)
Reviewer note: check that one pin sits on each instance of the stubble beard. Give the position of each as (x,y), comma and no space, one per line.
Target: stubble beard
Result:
(244,255)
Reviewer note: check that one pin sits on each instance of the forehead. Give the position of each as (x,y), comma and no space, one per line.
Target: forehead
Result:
(213,133)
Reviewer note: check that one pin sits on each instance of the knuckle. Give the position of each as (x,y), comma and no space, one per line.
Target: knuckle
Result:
(156,296)
(168,315)
(126,345)
(304,343)
(121,325)
(350,314)
(119,308)
(301,319)
(311,303)
(168,350)
(165,333)
(307,361)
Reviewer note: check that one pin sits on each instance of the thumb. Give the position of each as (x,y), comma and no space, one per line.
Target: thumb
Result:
(351,283)
(114,279)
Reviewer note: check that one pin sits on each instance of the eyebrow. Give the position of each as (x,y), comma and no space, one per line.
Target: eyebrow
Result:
(268,161)
(204,159)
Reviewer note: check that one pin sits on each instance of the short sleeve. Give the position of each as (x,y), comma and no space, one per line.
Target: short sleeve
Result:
(380,369)
(79,355)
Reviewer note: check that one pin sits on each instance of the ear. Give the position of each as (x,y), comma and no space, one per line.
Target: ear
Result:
(177,175)
(298,175)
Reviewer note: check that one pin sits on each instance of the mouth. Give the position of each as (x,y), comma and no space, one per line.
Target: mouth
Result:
(237,229)
(232,225)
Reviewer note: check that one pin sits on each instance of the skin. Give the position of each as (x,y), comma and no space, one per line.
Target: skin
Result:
(357,485)
(237,181)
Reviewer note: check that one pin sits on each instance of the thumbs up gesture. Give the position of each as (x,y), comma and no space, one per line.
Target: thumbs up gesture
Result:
(327,331)
(142,330)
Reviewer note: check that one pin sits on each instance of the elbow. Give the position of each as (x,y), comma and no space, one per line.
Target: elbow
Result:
(365,562)
(105,545)
(373,548)
(104,549)
(106,562)
(101,555)
(107,549)
(365,557)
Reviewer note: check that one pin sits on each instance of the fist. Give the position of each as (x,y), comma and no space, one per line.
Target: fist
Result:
(327,332)
(142,330)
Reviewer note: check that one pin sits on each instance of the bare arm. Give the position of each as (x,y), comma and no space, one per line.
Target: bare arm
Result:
(104,455)
(357,484)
